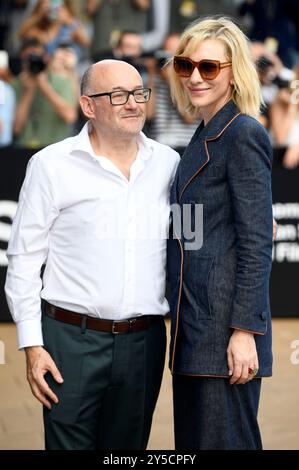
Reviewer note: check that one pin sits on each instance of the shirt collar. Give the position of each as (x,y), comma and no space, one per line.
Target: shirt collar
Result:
(82,143)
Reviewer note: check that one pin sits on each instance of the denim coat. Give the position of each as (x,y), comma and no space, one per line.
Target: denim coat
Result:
(224,284)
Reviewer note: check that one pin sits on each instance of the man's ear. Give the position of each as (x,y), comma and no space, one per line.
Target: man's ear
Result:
(86,106)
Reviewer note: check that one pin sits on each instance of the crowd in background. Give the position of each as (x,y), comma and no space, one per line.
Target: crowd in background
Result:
(45,46)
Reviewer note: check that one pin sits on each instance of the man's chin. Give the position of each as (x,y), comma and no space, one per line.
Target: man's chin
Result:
(133,126)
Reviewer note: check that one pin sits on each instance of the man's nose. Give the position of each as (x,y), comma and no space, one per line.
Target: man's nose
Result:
(131,103)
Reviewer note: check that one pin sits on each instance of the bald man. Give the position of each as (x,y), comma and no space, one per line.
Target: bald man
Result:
(94,209)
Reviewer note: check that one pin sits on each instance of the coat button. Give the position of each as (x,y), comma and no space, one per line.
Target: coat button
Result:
(264,316)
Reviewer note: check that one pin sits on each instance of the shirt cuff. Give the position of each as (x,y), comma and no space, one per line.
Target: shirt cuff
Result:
(29,333)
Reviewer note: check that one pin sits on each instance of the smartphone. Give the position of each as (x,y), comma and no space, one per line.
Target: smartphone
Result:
(53,9)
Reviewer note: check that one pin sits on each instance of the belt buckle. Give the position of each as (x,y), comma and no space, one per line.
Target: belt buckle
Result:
(131,323)
(113,327)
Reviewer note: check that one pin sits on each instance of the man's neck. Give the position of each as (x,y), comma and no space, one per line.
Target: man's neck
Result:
(121,151)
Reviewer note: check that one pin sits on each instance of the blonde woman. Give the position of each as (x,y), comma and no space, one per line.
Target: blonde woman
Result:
(221,322)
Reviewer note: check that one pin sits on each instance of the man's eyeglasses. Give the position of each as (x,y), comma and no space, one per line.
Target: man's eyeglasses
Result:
(208,69)
(120,97)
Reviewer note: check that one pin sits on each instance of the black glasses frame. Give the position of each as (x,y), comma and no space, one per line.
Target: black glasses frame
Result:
(132,92)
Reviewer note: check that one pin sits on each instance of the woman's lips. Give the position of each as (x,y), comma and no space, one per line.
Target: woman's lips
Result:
(197,91)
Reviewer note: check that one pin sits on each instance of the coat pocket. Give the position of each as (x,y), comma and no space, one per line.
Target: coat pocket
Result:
(197,273)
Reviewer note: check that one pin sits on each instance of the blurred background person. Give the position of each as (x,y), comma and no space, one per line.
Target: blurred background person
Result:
(46,103)
(284,117)
(274,18)
(53,22)
(184,11)
(13,14)
(110,17)
(168,125)
(7,102)
(129,49)
(63,63)
(272,74)
(128,45)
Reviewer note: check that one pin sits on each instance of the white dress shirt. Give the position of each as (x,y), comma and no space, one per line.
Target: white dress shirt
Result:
(101,236)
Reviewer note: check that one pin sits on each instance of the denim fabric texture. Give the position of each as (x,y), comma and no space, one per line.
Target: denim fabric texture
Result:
(224,284)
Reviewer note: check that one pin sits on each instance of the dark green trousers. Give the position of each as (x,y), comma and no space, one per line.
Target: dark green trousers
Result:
(111,385)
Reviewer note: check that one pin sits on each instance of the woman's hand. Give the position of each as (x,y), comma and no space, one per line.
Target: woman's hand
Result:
(241,356)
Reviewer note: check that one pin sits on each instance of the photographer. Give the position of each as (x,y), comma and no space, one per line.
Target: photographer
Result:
(284,116)
(273,76)
(53,22)
(46,103)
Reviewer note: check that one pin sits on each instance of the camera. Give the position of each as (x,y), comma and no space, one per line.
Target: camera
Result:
(280,82)
(162,57)
(263,64)
(53,9)
(35,64)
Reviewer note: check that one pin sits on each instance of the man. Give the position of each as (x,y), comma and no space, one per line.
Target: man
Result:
(129,45)
(91,209)
(46,103)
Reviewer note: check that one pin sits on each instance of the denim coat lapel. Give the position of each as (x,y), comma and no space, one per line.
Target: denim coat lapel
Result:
(190,167)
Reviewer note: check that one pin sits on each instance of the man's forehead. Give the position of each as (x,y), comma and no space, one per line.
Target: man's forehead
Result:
(115,75)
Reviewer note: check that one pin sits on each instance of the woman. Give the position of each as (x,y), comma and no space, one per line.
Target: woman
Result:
(221,323)
(54,23)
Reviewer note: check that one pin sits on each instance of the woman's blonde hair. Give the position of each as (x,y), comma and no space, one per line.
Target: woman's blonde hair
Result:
(246,92)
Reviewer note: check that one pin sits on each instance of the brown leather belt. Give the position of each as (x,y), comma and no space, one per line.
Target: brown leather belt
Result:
(100,324)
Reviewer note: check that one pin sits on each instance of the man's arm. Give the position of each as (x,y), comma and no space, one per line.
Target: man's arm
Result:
(27,251)
(28,84)
(92,6)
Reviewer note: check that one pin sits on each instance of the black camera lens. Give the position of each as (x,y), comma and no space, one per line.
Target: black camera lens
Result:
(35,64)
(263,64)
(281,83)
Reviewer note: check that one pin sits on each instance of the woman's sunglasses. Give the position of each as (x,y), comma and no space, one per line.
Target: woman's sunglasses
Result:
(208,69)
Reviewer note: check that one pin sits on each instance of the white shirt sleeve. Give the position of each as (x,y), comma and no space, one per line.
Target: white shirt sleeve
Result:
(27,251)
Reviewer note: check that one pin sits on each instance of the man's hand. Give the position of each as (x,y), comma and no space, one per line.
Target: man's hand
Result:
(28,81)
(42,80)
(241,355)
(39,362)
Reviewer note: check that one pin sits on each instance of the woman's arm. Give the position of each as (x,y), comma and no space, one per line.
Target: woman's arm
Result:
(249,179)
